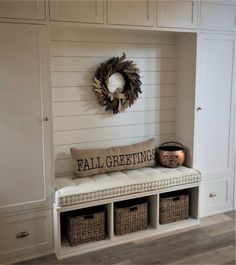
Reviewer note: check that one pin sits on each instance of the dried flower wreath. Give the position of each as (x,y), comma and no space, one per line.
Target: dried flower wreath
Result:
(121,99)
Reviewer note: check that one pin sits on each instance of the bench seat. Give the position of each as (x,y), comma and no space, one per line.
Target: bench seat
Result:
(72,191)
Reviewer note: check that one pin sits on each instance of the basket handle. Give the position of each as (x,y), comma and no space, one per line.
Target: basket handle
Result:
(173,143)
(176,198)
(89,216)
(132,209)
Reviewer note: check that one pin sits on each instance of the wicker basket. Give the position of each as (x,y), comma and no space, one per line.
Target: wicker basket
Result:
(131,216)
(174,208)
(86,226)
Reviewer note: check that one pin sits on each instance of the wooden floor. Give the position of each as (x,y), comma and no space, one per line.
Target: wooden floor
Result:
(212,243)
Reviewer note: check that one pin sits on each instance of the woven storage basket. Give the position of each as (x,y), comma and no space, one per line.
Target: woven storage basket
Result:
(84,227)
(174,208)
(131,216)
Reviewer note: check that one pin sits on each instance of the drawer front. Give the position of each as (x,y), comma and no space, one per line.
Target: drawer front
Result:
(214,196)
(25,234)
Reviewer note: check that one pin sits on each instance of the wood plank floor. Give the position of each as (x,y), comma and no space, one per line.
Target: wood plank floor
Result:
(212,243)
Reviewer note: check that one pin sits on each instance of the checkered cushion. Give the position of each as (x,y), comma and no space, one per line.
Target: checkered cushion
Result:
(72,191)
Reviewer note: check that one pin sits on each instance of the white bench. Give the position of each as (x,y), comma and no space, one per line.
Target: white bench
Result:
(107,189)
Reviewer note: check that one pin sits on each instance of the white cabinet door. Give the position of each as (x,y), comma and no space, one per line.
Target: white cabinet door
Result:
(86,11)
(213,145)
(33,9)
(24,136)
(131,12)
(177,14)
(218,15)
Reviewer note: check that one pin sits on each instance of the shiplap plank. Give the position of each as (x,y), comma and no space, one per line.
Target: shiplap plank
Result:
(116,132)
(91,64)
(106,120)
(92,107)
(79,121)
(63,166)
(86,78)
(109,50)
(108,36)
(75,93)
(63,151)
(86,93)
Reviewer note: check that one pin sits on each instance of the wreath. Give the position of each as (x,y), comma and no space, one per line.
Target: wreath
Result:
(124,97)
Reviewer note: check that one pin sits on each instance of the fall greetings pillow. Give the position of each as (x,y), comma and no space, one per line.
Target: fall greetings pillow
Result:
(88,162)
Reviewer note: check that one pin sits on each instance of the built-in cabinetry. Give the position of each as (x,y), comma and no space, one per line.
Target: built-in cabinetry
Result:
(177,14)
(218,15)
(120,13)
(77,11)
(214,105)
(158,15)
(203,87)
(33,9)
(25,159)
(214,119)
(25,235)
(63,249)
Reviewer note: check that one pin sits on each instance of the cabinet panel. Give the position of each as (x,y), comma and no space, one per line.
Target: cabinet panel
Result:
(214,132)
(134,13)
(215,196)
(24,155)
(34,9)
(214,193)
(177,14)
(218,15)
(24,234)
(87,11)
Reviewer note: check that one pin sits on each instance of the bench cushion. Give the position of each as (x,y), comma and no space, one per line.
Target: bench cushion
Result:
(72,191)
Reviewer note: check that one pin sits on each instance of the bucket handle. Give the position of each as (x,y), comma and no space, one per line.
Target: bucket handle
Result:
(184,148)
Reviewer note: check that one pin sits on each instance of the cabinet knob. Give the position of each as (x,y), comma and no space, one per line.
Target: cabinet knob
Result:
(22,234)
(212,195)
(46,118)
(199,108)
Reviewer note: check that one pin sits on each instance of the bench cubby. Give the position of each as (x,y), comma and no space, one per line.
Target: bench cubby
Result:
(84,225)
(130,216)
(63,249)
(192,207)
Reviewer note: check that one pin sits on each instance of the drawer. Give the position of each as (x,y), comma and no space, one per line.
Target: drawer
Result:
(214,196)
(25,234)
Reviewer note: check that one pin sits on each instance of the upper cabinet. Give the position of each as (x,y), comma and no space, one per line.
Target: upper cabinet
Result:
(189,15)
(177,14)
(131,12)
(218,15)
(34,9)
(85,11)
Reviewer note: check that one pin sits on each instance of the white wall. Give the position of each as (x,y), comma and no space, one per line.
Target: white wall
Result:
(78,119)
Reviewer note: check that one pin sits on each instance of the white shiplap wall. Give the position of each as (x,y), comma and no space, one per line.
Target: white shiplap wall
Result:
(79,121)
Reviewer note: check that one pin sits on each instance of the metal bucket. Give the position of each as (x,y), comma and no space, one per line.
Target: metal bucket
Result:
(170,155)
